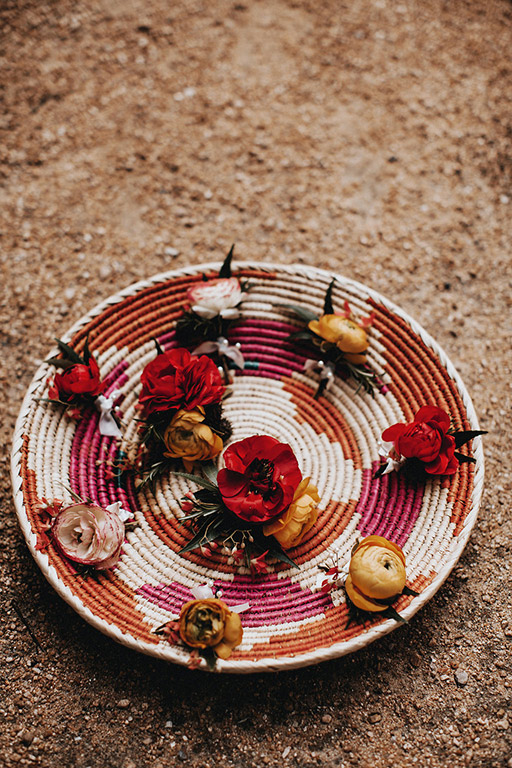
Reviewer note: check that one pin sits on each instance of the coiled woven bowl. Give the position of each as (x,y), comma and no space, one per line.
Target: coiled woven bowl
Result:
(291,623)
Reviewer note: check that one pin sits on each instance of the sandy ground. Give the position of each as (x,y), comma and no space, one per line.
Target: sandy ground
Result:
(371,138)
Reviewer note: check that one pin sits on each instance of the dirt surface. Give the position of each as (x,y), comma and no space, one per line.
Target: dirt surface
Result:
(371,138)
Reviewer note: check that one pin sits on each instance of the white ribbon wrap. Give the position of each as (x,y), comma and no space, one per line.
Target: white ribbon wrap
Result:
(223,348)
(205,592)
(107,424)
(123,514)
(392,464)
(326,370)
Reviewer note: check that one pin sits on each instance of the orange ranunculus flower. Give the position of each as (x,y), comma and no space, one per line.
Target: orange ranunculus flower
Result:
(188,438)
(349,337)
(376,572)
(210,624)
(290,528)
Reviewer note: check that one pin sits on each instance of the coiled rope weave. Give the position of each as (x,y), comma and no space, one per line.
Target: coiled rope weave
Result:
(291,623)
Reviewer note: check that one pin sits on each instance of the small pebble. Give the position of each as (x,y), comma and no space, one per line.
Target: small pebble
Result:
(461,677)
(27,737)
(326,718)
(123,703)
(375,718)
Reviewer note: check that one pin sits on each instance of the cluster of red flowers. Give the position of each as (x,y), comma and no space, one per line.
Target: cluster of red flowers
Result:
(175,379)
(260,478)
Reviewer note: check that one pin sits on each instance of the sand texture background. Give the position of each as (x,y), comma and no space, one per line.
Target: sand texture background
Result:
(373,139)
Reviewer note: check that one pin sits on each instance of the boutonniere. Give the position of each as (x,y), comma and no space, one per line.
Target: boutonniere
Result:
(213,306)
(341,343)
(426,446)
(181,412)
(78,386)
(255,508)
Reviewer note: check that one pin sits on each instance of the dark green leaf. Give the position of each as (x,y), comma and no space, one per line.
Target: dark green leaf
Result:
(208,532)
(302,312)
(197,479)
(87,351)
(59,362)
(328,308)
(464,459)
(210,657)
(69,353)
(391,613)
(225,270)
(461,438)
(211,472)
(280,555)
(408,591)
(159,349)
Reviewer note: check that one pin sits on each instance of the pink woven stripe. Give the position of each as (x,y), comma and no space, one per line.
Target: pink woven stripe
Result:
(388,508)
(116,378)
(273,601)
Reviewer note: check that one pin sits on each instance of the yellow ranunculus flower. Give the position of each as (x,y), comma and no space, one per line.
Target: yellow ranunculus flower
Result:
(210,624)
(290,528)
(376,572)
(188,438)
(349,337)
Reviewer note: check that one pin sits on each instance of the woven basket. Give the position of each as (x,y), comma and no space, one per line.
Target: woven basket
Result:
(290,623)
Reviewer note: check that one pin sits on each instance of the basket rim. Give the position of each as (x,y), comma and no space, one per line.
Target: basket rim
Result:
(264,664)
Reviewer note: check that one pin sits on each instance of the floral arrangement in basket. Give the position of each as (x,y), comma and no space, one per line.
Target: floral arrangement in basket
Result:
(214,305)
(79,386)
(206,626)
(426,446)
(373,580)
(254,508)
(89,536)
(180,406)
(342,342)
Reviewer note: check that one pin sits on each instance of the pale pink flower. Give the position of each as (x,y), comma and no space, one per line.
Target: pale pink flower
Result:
(89,535)
(216,297)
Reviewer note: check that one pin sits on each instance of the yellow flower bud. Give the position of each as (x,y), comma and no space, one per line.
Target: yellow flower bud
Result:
(349,337)
(290,528)
(210,624)
(188,438)
(376,572)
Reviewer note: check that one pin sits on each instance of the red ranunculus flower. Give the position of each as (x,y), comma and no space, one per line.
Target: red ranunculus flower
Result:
(77,380)
(426,439)
(260,478)
(175,379)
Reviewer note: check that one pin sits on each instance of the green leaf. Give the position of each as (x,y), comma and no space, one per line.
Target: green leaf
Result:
(159,349)
(408,591)
(197,479)
(461,438)
(208,532)
(69,353)
(380,471)
(301,336)
(464,459)
(302,312)
(328,308)
(211,472)
(87,351)
(58,362)
(391,613)
(225,270)
(280,555)
(210,657)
